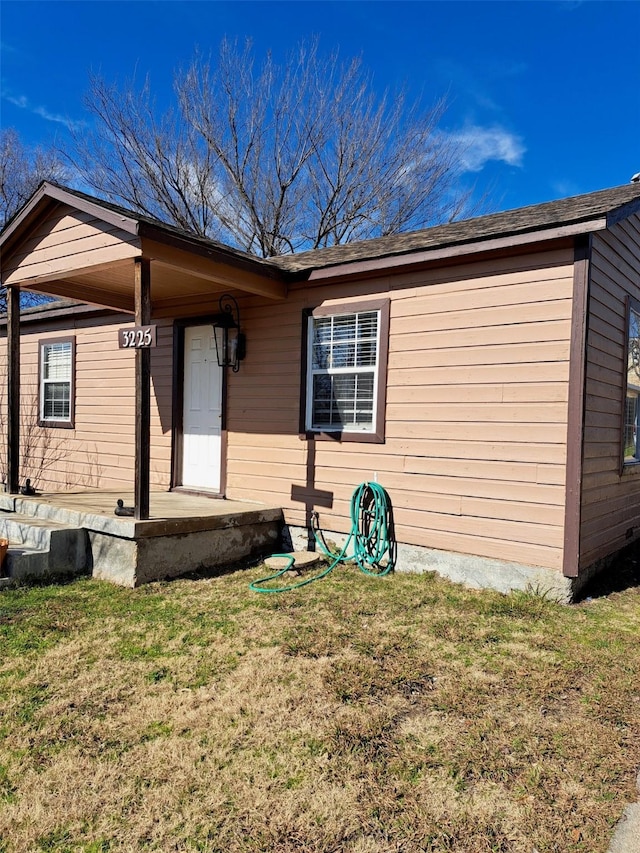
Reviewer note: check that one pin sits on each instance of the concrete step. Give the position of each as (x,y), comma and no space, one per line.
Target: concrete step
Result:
(40,547)
(35,507)
(25,563)
(30,531)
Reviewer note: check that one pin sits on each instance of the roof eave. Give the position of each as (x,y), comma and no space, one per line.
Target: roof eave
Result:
(210,250)
(59,310)
(623,212)
(417,257)
(48,192)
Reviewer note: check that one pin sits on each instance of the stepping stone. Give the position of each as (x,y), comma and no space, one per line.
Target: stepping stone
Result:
(303,560)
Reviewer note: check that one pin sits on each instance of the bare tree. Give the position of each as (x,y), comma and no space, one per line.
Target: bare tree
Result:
(22,170)
(40,449)
(273,159)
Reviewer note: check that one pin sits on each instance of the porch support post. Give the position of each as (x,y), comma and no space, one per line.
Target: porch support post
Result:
(13,390)
(142,293)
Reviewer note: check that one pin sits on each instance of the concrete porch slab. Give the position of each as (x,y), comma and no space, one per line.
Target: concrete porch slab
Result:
(170,512)
(185,533)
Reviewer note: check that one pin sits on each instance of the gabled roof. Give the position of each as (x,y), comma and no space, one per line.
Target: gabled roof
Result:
(134,223)
(64,243)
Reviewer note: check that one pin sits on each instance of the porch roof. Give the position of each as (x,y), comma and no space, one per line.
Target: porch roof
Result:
(66,244)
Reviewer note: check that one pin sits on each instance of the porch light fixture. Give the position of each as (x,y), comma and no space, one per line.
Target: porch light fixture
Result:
(230,341)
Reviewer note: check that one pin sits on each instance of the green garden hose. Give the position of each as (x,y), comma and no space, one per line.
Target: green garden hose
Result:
(371,534)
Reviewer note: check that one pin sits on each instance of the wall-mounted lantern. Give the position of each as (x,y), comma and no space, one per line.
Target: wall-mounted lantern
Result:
(230,341)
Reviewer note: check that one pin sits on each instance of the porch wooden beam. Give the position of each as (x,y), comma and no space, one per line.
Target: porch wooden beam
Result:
(87,295)
(222,274)
(83,263)
(142,292)
(13,390)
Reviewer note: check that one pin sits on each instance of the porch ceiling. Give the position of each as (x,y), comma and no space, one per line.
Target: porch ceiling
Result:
(111,284)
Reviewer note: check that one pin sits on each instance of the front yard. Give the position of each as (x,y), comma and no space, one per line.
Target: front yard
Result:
(356,714)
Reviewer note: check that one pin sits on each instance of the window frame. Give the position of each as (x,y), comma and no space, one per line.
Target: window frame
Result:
(632,305)
(65,423)
(377,433)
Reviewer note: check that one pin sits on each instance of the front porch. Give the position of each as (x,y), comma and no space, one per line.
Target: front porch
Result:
(78,532)
(68,245)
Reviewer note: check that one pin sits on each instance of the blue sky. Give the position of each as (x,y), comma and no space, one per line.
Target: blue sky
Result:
(546,94)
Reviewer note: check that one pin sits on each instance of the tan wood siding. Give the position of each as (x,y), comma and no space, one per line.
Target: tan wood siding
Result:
(99,451)
(68,240)
(476,416)
(610,505)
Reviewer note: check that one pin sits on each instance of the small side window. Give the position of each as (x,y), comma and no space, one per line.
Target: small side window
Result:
(630,437)
(57,365)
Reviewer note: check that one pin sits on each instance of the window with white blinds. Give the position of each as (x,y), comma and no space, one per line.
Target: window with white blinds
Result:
(343,360)
(56,382)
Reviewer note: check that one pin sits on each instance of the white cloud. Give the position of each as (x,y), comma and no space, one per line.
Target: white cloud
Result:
(72,124)
(6,48)
(481,144)
(479,84)
(564,188)
(20,101)
(23,103)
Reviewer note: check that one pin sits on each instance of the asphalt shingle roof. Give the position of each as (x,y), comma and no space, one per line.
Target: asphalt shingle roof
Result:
(535,217)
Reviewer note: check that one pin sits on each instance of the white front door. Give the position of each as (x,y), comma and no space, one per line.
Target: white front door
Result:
(202,414)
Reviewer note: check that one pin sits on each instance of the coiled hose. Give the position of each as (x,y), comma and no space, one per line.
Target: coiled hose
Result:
(371,533)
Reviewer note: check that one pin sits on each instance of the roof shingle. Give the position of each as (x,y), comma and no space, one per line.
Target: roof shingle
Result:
(521,220)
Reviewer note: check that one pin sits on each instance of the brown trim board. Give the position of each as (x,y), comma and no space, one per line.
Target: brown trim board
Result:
(512,243)
(575,415)
(55,194)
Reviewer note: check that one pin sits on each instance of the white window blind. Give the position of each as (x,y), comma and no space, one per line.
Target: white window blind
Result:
(343,361)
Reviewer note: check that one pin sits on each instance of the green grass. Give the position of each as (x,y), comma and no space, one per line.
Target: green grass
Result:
(358,714)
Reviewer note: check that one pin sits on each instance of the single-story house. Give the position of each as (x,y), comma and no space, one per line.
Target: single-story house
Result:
(486,373)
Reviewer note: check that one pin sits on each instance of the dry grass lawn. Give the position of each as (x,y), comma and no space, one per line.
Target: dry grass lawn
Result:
(356,714)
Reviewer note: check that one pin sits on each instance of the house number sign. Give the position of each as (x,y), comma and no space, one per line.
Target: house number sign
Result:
(137,337)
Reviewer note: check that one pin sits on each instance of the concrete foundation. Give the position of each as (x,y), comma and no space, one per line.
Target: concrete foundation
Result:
(131,562)
(78,532)
(473,571)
